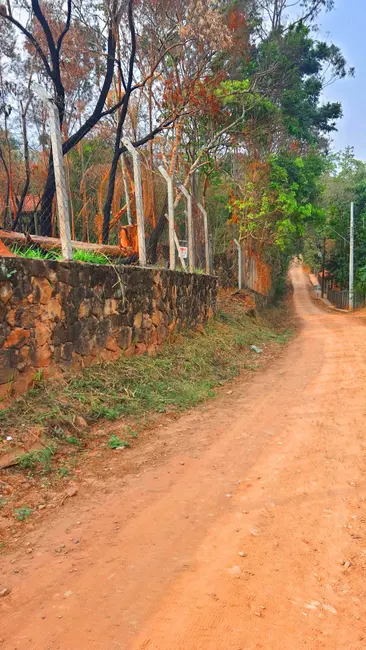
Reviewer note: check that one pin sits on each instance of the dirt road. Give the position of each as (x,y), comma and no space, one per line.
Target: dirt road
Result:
(250,534)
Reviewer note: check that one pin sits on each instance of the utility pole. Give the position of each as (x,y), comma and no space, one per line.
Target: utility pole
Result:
(323,268)
(59,171)
(138,200)
(351,257)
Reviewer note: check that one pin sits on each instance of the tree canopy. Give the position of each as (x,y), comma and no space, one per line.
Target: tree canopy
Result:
(227,95)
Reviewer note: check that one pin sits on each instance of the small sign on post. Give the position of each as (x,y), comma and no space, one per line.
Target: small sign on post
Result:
(183,252)
(176,241)
(59,171)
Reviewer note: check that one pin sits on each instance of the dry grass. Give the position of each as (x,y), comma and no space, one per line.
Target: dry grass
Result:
(184,373)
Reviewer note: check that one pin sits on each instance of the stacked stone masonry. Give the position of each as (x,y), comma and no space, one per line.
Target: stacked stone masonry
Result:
(60,315)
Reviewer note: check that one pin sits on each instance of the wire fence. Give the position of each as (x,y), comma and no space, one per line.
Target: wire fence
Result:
(340,299)
(30,206)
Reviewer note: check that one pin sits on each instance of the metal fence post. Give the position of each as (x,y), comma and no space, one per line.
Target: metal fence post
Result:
(239,263)
(170,184)
(205,226)
(138,198)
(190,227)
(59,171)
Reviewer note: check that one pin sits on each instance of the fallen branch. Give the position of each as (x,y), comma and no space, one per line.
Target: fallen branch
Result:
(51,243)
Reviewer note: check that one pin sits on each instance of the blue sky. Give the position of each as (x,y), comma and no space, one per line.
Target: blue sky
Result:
(345,26)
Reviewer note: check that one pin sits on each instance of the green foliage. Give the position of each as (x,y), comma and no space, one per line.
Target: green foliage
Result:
(72,440)
(100,411)
(63,472)
(240,341)
(23,513)
(279,205)
(300,65)
(132,433)
(311,252)
(343,182)
(231,92)
(279,195)
(116,443)
(39,458)
(81,255)
(35,253)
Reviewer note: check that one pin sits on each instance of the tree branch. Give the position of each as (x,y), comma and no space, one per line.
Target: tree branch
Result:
(31,39)
(141,84)
(98,109)
(149,136)
(49,37)
(66,28)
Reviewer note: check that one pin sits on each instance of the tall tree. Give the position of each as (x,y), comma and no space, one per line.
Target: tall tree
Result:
(51,56)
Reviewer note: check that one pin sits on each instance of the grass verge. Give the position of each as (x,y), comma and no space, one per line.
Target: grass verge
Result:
(183,374)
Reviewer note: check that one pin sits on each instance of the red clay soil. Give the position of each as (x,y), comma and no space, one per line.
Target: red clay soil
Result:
(250,536)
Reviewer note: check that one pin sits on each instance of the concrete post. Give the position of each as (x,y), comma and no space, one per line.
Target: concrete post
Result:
(138,199)
(170,185)
(188,197)
(126,189)
(59,171)
(205,226)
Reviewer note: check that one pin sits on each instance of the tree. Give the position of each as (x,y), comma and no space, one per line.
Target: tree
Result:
(50,54)
(227,96)
(281,150)
(344,182)
(173,54)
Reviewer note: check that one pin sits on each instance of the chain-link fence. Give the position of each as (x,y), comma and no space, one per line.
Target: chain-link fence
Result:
(33,209)
(340,299)
(98,211)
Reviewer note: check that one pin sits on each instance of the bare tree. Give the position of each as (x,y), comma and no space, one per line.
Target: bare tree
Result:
(51,57)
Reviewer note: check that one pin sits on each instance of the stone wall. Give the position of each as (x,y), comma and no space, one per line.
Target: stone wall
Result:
(60,315)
